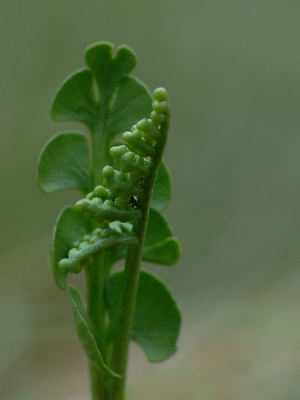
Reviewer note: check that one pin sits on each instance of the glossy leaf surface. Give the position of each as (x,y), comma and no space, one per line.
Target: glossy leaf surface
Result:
(157,319)
(70,227)
(64,163)
(162,191)
(85,335)
(160,246)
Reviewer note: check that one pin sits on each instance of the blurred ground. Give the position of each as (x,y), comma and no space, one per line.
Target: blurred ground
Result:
(232,72)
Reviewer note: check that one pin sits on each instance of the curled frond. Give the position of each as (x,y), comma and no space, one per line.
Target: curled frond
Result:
(119,196)
(92,245)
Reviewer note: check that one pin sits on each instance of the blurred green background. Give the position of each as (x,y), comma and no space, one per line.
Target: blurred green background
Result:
(232,69)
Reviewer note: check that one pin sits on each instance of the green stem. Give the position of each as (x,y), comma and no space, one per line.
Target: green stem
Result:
(131,280)
(99,155)
(97,384)
(95,274)
(131,277)
(96,312)
(95,302)
(100,143)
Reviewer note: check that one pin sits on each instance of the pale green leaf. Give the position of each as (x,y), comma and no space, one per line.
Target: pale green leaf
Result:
(75,100)
(158,228)
(107,69)
(133,101)
(157,319)
(165,252)
(70,227)
(162,191)
(105,86)
(160,246)
(64,163)
(85,335)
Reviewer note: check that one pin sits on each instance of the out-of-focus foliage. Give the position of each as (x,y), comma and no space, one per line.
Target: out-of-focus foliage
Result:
(232,73)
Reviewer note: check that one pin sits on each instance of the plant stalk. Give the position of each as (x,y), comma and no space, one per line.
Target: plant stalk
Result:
(131,277)
(99,155)
(96,312)
(95,273)
(131,280)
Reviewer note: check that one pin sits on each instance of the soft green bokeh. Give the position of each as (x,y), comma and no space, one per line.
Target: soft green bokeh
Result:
(232,70)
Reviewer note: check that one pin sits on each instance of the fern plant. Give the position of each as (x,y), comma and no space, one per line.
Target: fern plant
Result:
(125,184)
